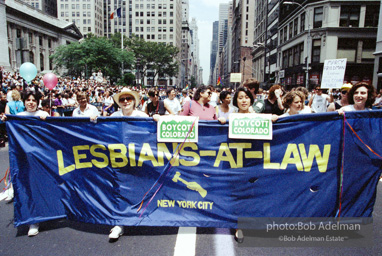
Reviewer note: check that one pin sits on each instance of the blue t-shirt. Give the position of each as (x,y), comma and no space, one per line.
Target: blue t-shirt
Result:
(16,107)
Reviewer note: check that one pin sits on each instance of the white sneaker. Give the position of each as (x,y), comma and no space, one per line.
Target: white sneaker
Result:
(116,232)
(7,195)
(11,194)
(3,195)
(33,230)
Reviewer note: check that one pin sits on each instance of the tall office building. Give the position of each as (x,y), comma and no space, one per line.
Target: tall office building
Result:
(214,48)
(242,34)
(87,15)
(185,10)
(47,6)
(223,17)
(194,46)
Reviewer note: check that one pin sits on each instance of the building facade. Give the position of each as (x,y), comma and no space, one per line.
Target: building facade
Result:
(31,35)
(243,37)
(312,32)
(87,15)
(47,6)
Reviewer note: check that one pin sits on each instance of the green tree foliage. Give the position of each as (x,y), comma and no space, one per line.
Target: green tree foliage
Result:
(91,54)
(157,57)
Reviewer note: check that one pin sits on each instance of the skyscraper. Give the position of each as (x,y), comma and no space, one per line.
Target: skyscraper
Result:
(87,15)
(47,6)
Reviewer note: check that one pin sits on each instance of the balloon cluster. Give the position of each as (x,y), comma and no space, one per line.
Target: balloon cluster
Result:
(28,71)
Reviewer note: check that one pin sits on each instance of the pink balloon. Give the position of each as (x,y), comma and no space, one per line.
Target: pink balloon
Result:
(50,80)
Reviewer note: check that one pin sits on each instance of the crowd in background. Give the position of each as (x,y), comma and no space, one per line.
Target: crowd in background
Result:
(63,99)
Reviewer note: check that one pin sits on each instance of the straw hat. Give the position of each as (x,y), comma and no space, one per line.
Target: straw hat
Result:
(126,91)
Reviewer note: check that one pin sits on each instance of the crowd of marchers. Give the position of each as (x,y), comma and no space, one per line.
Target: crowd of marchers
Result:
(95,97)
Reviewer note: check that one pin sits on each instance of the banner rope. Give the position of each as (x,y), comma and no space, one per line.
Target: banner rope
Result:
(164,172)
(6,178)
(369,148)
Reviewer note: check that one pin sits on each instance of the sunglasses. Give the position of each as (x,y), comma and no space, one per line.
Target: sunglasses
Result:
(128,99)
(344,92)
(209,93)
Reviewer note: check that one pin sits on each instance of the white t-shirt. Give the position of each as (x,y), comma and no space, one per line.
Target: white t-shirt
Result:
(225,114)
(320,103)
(108,101)
(214,99)
(306,110)
(89,111)
(351,108)
(39,113)
(136,113)
(9,96)
(174,105)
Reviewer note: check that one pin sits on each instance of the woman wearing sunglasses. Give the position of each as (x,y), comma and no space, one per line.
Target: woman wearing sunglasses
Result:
(199,106)
(127,101)
(344,98)
(361,97)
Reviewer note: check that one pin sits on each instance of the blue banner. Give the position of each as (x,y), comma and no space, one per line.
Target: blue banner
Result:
(115,172)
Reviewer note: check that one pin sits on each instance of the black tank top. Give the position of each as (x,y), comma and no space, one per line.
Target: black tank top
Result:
(158,109)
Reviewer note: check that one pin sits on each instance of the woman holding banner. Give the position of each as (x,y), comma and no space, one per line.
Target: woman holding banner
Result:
(31,102)
(127,100)
(361,97)
(199,106)
(224,109)
(294,102)
(243,100)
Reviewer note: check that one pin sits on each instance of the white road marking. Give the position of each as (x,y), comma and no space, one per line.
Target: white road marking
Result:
(223,241)
(185,242)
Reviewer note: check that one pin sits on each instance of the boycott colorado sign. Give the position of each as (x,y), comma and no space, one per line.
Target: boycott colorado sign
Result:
(177,128)
(250,126)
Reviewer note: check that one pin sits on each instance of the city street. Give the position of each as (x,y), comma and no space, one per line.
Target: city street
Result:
(67,238)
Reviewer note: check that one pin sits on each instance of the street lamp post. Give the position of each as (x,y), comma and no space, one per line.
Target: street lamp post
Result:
(244,59)
(307,42)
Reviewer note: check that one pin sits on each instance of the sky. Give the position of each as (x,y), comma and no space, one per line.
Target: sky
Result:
(205,12)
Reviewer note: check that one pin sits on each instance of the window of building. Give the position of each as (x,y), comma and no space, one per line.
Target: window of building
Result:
(50,43)
(296,55)
(41,61)
(295,26)
(302,22)
(31,57)
(290,30)
(372,16)
(285,33)
(347,48)
(281,36)
(30,37)
(290,57)
(40,40)
(318,17)
(349,15)
(368,48)
(285,59)
(302,53)
(316,51)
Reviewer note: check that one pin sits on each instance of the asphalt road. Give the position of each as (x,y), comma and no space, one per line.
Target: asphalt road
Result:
(63,237)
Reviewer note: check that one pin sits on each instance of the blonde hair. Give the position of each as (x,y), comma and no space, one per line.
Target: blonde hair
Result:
(16,95)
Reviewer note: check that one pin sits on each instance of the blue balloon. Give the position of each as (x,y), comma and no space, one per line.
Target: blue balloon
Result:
(28,71)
